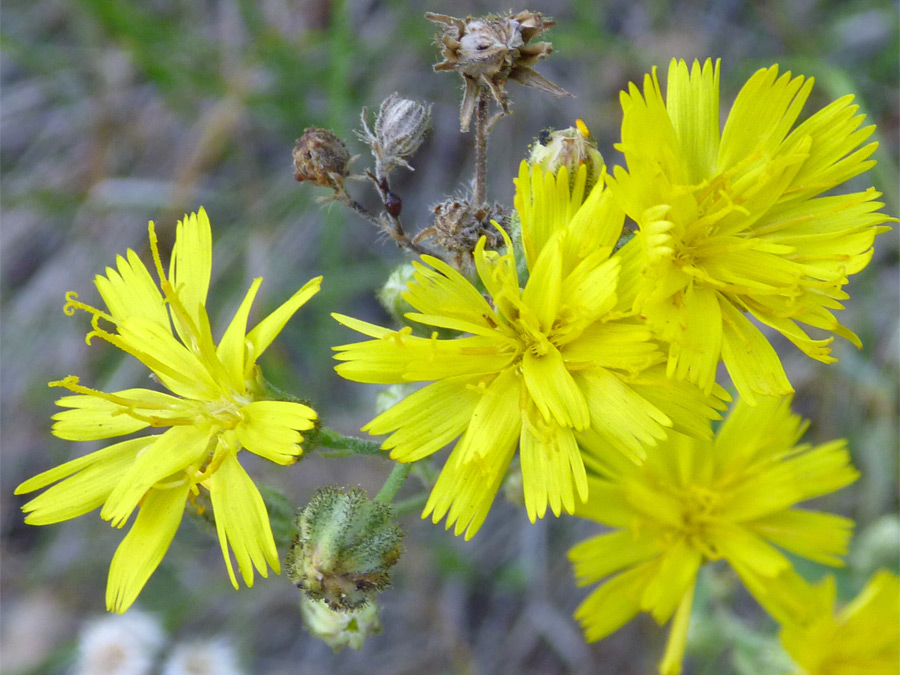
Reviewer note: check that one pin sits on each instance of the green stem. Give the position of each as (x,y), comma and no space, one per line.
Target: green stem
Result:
(393,483)
(411,504)
(328,438)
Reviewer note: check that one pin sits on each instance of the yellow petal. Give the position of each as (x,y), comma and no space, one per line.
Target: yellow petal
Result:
(268,329)
(428,419)
(466,488)
(740,546)
(144,546)
(552,469)
(242,522)
(271,429)
(88,482)
(231,347)
(191,266)
(605,554)
(753,364)
(622,346)
(762,114)
(678,635)
(496,416)
(614,603)
(174,451)
(675,578)
(692,101)
(446,299)
(131,291)
(178,368)
(818,536)
(618,414)
(695,355)
(542,292)
(402,357)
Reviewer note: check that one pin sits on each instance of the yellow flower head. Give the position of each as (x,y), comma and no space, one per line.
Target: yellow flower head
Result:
(690,501)
(215,409)
(545,367)
(732,222)
(863,637)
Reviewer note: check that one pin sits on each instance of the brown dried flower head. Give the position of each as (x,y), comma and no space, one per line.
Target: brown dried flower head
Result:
(321,158)
(487,51)
(400,128)
(458,225)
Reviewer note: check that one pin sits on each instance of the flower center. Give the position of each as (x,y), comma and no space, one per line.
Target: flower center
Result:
(698,512)
(225,412)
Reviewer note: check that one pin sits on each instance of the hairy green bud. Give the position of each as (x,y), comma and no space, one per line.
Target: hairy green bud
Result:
(345,547)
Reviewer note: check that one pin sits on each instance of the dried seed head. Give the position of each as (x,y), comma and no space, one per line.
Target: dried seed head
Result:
(570,148)
(345,547)
(321,158)
(458,226)
(400,128)
(490,50)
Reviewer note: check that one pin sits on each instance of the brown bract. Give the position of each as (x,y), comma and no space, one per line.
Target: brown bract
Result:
(321,158)
(487,51)
(458,225)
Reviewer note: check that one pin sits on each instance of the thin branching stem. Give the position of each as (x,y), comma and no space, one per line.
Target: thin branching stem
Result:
(394,229)
(481,140)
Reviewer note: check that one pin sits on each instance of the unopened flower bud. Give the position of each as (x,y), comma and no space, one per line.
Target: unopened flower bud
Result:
(340,629)
(400,128)
(321,158)
(345,547)
(571,148)
(391,294)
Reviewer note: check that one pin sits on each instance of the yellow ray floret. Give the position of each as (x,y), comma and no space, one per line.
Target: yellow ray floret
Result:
(216,408)
(860,637)
(547,367)
(733,223)
(689,501)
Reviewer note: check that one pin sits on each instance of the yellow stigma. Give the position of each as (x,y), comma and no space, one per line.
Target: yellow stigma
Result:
(582,128)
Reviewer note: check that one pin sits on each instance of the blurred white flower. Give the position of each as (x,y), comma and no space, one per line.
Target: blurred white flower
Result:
(119,645)
(203,657)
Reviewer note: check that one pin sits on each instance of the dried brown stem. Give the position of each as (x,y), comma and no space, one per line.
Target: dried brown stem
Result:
(481,138)
(392,228)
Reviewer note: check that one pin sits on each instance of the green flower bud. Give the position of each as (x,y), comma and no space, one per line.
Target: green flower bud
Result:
(340,629)
(391,294)
(345,547)
(570,148)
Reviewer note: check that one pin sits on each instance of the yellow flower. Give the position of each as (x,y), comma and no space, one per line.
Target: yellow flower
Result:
(548,367)
(733,223)
(863,637)
(691,501)
(215,409)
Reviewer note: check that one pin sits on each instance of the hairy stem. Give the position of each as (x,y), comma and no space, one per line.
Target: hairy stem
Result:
(393,483)
(328,438)
(395,231)
(481,139)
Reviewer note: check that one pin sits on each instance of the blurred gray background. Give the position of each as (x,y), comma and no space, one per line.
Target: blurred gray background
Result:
(116,112)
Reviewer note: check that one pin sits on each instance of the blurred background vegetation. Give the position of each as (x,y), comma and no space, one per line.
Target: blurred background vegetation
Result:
(116,112)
